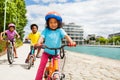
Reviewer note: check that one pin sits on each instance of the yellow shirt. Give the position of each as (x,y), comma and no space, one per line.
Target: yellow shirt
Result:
(34,37)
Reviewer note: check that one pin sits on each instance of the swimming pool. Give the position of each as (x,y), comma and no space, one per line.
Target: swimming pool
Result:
(113,53)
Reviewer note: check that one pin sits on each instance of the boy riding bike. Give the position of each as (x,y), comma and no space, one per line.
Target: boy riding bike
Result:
(34,37)
(52,36)
(11,33)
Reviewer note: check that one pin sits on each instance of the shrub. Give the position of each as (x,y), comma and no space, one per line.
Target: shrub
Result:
(2,46)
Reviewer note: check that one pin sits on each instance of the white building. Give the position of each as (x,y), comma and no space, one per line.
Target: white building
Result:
(91,38)
(114,34)
(75,32)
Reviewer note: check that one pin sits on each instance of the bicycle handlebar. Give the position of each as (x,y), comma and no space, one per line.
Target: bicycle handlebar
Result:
(62,52)
(44,46)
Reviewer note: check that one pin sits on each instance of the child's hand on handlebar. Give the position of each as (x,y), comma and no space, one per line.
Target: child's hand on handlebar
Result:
(72,44)
(18,36)
(38,45)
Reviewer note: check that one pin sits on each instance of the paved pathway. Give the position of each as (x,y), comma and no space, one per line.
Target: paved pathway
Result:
(18,70)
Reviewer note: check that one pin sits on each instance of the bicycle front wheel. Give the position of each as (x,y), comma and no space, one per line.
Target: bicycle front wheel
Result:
(10,55)
(30,62)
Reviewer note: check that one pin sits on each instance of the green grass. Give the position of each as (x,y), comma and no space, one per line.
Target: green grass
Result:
(19,43)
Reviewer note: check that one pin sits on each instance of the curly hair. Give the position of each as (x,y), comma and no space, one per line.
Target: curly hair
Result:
(33,25)
(59,24)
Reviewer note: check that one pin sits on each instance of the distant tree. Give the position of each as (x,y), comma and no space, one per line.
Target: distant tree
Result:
(16,13)
(1,14)
(102,40)
(115,39)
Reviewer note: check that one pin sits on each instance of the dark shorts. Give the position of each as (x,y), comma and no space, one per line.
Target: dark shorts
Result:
(32,49)
(13,41)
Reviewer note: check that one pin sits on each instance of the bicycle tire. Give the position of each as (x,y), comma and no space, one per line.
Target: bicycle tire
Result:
(46,74)
(10,55)
(62,53)
(30,62)
(62,77)
(46,77)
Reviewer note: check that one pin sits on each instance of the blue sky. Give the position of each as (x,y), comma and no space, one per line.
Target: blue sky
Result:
(41,2)
(100,17)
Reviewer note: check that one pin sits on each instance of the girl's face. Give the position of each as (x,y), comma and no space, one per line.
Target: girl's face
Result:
(53,24)
(11,29)
(34,29)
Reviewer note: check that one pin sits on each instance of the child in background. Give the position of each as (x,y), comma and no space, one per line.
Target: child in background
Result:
(11,33)
(34,37)
(52,36)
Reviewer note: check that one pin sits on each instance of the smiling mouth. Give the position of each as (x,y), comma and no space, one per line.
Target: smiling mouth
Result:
(53,28)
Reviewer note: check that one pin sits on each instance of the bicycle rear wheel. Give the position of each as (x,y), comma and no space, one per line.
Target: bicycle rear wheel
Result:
(10,55)
(30,62)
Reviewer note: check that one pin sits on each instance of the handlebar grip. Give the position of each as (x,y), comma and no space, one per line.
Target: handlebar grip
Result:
(72,45)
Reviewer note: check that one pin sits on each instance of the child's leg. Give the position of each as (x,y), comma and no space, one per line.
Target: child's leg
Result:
(42,65)
(15,53)
(38,52)
(26,61)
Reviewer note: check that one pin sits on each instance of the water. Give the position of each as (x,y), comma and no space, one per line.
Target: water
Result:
(113,53)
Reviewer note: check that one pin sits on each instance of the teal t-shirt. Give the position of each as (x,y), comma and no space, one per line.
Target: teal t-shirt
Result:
(53,39)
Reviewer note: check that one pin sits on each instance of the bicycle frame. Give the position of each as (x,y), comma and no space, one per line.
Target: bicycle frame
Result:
(51,68)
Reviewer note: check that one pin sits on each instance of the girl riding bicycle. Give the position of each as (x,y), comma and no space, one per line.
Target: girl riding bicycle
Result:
(11,33)
(52,36)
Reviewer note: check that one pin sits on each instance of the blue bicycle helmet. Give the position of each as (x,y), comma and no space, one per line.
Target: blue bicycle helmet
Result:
(53,15)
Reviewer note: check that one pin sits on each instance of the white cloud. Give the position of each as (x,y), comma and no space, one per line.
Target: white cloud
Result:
(99,17)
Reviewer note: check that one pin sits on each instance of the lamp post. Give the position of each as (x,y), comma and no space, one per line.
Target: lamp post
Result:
(5,15)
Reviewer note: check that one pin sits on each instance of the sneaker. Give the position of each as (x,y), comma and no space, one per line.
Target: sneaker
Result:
(16,57)
(37,56)
(26,61)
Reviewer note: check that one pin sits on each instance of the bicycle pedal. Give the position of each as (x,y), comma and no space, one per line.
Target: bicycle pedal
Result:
(32,63)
